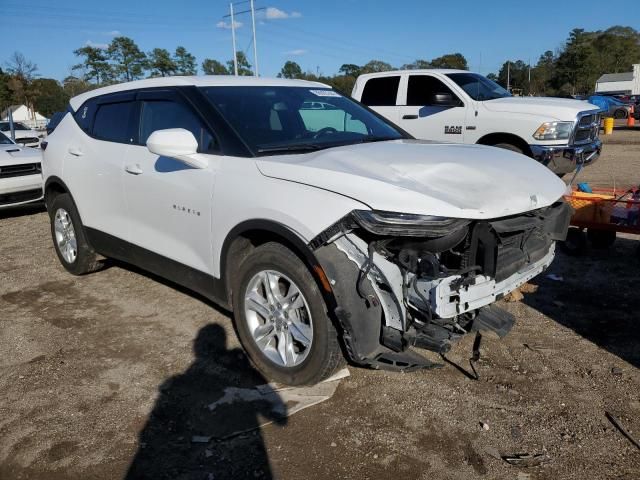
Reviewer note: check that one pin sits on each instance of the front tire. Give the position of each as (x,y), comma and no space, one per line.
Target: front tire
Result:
(620,114)
(509,146)
(281,318)
(73,250)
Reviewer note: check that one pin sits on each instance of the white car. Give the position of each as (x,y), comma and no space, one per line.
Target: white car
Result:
(464,107)
(325,231)
(20,174)
(23,134)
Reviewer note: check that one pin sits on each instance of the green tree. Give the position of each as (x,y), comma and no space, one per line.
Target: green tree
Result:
(214,67)
(244,67)
(73,86)
(185,62)
(22,72)
(350,70)
(95,65)
(418,64)
(160,63)
(290,70)
(450,60)
(127,60)
(374,66)
(50,97)
(5,93)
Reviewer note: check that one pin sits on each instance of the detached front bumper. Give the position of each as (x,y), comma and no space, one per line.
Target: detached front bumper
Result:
(561,159)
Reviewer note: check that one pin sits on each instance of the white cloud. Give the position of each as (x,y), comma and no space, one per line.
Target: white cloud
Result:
(102,46)
(227,26)
(113,33)
(273,13)
(297,52)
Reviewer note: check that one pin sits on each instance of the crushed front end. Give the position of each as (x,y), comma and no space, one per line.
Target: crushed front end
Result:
(403,281)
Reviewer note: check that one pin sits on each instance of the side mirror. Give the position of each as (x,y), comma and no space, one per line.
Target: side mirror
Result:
(445,100)
(176,143)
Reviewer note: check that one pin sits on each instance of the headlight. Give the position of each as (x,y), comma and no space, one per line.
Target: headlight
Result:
(554,131)
(407,224)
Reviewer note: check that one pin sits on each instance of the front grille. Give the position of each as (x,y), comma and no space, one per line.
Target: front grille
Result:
(19,197)
(587,128)
(20,170)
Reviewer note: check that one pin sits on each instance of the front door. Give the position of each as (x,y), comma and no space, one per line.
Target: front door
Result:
(169,201)
(430,110)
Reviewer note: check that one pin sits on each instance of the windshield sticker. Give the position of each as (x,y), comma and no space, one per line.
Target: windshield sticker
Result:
(325,93)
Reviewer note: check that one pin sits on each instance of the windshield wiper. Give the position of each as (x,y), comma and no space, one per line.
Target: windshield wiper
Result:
(298,147)
(371,138)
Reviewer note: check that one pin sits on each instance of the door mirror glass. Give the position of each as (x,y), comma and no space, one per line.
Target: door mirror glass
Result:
(176,143)
(444,100)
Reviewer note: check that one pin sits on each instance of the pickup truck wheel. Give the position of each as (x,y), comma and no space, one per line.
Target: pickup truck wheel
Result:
(69,241)
(620,113)
(509,146)
(601,238)
(281,318)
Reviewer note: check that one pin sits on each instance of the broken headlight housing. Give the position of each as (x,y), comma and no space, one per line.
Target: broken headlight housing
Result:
(554,131)
(407,224)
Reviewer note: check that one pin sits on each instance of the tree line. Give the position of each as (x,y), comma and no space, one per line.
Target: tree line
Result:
(572,69)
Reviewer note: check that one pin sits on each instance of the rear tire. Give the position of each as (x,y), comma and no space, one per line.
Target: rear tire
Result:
(289,338)
(620,114)
(576,242)
(70,243)
(509,146)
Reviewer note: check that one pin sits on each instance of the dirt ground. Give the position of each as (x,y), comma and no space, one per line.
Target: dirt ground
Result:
(108,376)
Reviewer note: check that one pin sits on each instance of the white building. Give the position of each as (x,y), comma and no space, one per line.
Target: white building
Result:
(22,114)
(624,83)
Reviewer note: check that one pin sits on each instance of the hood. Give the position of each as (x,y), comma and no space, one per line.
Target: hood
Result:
(412,176)
(16,155)
(553,108)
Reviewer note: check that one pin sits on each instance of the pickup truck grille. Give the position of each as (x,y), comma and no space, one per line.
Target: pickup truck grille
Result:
(20,170)
(587,128)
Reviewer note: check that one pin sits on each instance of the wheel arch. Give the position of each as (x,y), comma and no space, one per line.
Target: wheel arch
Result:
(503,137)
(54,185)
(248,235)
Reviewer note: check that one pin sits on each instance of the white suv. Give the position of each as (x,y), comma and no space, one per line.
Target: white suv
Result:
(326,229)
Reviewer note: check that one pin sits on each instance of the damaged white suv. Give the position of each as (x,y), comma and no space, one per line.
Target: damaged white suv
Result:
(328,231)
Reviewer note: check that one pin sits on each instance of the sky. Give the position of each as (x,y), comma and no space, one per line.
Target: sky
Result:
(318,35)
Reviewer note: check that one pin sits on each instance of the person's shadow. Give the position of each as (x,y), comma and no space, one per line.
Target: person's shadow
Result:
(174,443)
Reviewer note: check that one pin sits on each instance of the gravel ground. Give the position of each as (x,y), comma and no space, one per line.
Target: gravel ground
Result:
(107,376)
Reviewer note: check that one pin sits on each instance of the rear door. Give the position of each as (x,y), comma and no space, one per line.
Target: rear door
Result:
(381,94)
(94,160)
(430,110)
(169,201)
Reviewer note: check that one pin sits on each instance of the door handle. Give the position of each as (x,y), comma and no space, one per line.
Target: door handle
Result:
(410,117)
(75,151)
(133,169)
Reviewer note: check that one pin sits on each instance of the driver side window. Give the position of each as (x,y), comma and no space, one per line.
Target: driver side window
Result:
(323,115)
(428,91)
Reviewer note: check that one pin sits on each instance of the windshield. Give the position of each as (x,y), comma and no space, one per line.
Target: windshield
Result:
(5,127)
(478,87)
(297,119)
(4,140)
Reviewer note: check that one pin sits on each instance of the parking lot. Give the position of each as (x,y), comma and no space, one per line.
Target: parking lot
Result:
(109,375)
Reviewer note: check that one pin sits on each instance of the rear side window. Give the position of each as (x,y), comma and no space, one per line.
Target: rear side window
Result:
(85,114)
(162,114)
(381,91)
(423,89)
(112,122)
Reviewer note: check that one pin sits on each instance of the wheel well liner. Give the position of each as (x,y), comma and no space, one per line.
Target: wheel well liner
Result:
(495,138)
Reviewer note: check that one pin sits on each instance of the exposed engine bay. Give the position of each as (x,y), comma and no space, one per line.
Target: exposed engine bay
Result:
(402,283)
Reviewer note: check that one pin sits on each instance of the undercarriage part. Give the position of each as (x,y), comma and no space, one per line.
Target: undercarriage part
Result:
(493,319)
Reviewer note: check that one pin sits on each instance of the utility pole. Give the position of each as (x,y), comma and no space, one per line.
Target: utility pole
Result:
(255,40)
(233,40)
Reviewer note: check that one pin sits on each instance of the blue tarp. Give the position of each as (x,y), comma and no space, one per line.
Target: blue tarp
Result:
(601,101)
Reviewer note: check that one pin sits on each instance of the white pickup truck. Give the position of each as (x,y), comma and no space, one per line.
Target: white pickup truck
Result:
(464,107)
